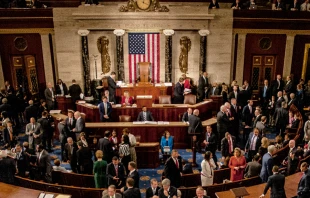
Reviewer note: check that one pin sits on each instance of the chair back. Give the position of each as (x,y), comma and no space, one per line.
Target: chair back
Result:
(124,118)
(73,179)
(57,177)
(164,99)
(138,138)
(190,99)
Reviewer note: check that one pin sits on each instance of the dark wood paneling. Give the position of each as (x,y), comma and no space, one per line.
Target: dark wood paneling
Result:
(34,48)
(252,48)
(298,54)
(61,3)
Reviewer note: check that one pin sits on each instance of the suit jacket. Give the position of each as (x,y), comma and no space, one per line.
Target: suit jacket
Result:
(44,165)
(49,96)
(267,164)
(268,93)
(79,125)
(288,87)
(214,91)
(279,102)
(6,107)
(149,116)
(225,146)
(203,84)
(31,111)
(222,122)
(136,177)
(276,182)
(303,190)
(185,117)
(105,146)
(65,89)
(252,169)
(232,95)
(75,91)
(6,136)
(293,101)
(111,88)
(195,125)
(46,129)
(212,142)
(258,142)
(247,115)
(281,116)
(111,173)
(149,192)
(106,195)
(70,154)
(256,119)
(70,126)
(235,113)
(84,156)
(172,172)
(36,130)
(274,87)
(178,94)
(172,192)
(22,163)
(102,111)
(132,193)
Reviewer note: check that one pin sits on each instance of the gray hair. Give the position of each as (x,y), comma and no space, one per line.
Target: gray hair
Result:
(271,148)
(4,100)
(166,182)
(223,108)
(179,194)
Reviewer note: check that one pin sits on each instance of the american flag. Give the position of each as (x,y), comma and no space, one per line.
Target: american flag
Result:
(144,47)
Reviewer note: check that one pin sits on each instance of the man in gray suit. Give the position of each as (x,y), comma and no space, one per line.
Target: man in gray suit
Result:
(253,168)
(80,124)
(145,115)
(49,94)
(111,192)
(33,130)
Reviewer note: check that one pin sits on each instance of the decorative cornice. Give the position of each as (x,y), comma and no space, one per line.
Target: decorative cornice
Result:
(204,32)
(168,32)
(83,32)
(270,31)
(119,32)
(28,31)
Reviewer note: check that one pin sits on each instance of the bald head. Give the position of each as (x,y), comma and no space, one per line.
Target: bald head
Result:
(77,114)
(196,112)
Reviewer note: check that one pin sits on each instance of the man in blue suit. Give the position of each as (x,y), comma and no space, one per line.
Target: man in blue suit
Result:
(303,190)
(276,182)
(105,110)
(267,164)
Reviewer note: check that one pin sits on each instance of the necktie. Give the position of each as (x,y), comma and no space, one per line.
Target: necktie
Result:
(235,95)
(71,121)
(11,135)
(33,127)
(264,95)
(229,145)
(105,108)
(177,163)
(278,84)
(213,90)
(144,116)
(250,107)
(154,191)
(252,143)
(116,170)
(235,108)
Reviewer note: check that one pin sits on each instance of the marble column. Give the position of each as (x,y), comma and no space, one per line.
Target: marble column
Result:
(85,61)
(203,50)
(289,47)
(240,58)
(47,58)
(168,55)
(120,54)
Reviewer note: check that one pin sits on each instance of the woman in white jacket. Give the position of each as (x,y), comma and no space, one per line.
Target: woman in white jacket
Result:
(207,166)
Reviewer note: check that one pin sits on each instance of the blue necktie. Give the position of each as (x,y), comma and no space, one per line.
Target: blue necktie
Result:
(264,95)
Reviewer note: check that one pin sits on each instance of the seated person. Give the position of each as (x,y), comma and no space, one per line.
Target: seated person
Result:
(83,139)
(236,5)
(127,100)
(295,122)
(286,140)
(145,115)
(295,6)
(214,4)
(166,140)
(279,5)
(224,162)
(305,6)
(253,168)
(290,119)
(187,168)
(57,166)
(279,142)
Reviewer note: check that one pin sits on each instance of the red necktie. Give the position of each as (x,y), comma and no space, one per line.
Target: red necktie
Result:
(177,163)
(116,170)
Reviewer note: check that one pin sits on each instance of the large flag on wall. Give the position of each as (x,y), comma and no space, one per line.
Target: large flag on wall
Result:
(144,47)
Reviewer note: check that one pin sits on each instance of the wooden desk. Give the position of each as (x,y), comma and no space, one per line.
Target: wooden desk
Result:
(147,155)
(291,184)
(160,112)
(11,191)
(64,103)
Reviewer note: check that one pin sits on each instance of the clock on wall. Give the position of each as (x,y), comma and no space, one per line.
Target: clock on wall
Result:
(143,4)
(20,43)
(265,43)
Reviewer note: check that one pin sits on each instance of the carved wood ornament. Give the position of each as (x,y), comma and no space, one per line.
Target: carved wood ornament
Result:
(143,6)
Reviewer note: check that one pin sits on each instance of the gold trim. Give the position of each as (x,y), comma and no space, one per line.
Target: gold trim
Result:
(305,61)
(27,31)
(270,31)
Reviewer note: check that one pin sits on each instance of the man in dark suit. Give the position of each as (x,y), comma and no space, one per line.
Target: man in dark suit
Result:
(70,124)
(195,127)
(279,100)
(44,163)
(281,119)
(203,86)
(267,163)
(61,88)
(200,193)
(228,144)
(70,154)
(179,92)
(276,182)
(248,90)
(145,115)
(112,86)
(8,135)
(292,100)
(253,144)
(234,93)
(31,111)
(21,161)
(288,87)
(253,168)
(6,107)
(210,142)
(173,169)
(105,146)
(277,85)
(153,189)
(186,114)
(8,87)
(79,125)
(49,94)
(63,135)
(222,124)
(84,159)
(257,117)
(303,190)
(167,190)
(214,90)
(234,113)
(133,173)
(75,91)
(131,192)
(46,130)
(105,110)
(243,97)
(116,173)
(264,95)
(248,113)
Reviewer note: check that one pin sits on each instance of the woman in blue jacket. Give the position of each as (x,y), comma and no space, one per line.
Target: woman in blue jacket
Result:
(166,140)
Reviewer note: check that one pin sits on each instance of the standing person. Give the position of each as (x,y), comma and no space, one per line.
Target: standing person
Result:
(105,110)
(253,168)
(203,86)
(264,95)
(8,135)
(253,143)
(61,88)
(179,92)
(116,173)
(173,169)
(42,108)
(222,124)
(31,111)
(281,119)
(84,159)
(112,87)
(211,142)
(70,154)
(133,173)
(277,85)
(49,94)
(303,190)
(124,152)
(131,192)
(195,127)
(133,142)
(276,182)
(46,131)
(21,161)
(237,164)
(152,191)
(228,143)
(43,163)
(168,190)
(248,114)
(186,114)
(62,137)
(166,140)
(105,146)
(70,124)
(7,168)
(79,125)
(207,166)
(33,130)
(75,91)
(267,164)
(99,170)
(234,111)
(288,87)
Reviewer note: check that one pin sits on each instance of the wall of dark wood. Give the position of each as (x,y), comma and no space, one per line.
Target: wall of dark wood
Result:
(252,48)
(7,50)
(298,55)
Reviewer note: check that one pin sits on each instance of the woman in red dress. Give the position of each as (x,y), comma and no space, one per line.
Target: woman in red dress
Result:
(237,164)
(127,100)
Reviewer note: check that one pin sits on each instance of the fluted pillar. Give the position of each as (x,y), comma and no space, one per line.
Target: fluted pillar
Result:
(168,55)
(203,50)
(120,54)
(85,61)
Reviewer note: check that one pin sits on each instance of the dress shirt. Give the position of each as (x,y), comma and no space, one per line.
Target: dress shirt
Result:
(253,142)
(131,171)
(61,89)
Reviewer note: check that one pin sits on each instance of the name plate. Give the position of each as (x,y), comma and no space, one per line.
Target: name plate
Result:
(144,96)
